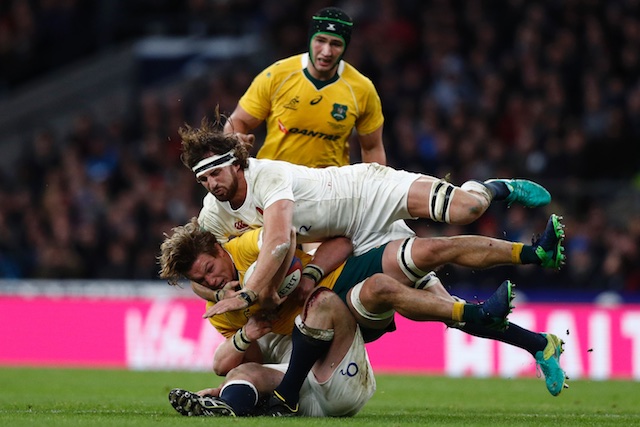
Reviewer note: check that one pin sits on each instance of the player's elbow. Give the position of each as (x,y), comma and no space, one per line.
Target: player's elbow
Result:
(222,367)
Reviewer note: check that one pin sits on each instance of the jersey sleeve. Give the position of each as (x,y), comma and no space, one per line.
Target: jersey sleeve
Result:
(371,117)
(257,99)
(273,182)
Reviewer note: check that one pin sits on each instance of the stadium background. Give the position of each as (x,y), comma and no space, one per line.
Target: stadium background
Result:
(92,93)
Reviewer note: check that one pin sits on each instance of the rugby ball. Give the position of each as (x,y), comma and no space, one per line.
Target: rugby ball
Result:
(291,280)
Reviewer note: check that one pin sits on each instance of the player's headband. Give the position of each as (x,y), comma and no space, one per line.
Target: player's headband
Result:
(213,162)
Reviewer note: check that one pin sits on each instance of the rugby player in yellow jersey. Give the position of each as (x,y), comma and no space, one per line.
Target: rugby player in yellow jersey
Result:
(312,102)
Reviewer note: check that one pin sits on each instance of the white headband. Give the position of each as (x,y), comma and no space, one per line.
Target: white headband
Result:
(213,162)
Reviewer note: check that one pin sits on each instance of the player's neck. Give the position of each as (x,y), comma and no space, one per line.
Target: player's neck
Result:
(322,75)
(241,193)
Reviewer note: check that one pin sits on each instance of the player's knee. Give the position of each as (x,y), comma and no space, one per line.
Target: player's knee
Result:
(470,202)
(322,313)
(245,371)
(320,302)
(372,300)
(380,288)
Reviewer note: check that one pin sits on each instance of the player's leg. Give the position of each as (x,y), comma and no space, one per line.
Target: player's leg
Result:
(544,347)
(411,259)
(322,335)
(239,394)
(435,198)
(375,300)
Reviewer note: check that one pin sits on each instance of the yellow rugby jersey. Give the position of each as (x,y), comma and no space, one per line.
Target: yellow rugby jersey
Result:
(244,251)
(309,122)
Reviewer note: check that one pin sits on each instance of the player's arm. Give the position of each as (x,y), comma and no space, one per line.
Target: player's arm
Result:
(215,295)
(241,123)
(278,246)
(276,253)
(372,147)
(242,346)
(327,257)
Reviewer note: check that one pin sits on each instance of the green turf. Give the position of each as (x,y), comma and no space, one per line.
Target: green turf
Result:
(50,397)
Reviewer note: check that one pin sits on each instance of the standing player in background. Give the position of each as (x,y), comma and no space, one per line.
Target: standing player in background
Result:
(313,101)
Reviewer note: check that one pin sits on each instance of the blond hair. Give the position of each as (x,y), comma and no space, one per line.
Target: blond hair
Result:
(179,251)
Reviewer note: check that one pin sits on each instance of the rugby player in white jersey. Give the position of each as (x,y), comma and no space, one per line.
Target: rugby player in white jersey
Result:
(362,202)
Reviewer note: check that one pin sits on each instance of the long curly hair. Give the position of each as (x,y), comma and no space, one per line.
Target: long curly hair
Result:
(208,140)
(179,251)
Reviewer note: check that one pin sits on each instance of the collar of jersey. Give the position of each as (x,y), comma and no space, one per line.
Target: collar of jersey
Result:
(319,84)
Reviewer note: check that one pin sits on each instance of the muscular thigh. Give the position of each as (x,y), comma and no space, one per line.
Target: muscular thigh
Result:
(346,391)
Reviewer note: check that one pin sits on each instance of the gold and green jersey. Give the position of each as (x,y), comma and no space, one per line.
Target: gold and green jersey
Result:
(244,251)
(309,122)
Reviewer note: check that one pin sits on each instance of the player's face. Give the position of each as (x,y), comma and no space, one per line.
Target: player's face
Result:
(212,272)
(326,51)
(221,182)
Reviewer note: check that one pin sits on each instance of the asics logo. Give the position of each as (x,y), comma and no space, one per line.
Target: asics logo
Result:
(314,101)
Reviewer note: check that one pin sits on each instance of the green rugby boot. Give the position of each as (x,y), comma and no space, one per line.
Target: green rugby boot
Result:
(548,246)
(548,360)
(524,192)
(497,307)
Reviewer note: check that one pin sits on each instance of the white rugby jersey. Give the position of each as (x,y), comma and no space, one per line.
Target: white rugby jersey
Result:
(359,201)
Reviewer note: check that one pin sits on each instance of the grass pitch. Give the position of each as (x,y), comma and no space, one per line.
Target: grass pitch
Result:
(70,397)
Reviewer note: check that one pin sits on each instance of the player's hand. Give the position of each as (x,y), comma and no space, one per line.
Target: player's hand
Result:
(230,303)
(259,325)
(302,291)
(213,392)
(215,295)
(246,138)
(270,300)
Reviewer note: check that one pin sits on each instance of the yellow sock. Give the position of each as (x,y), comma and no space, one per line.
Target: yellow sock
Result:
(516,251)
(458,311)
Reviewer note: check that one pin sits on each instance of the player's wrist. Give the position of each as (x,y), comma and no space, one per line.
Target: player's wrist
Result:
(313,272)
(249,296)
(219,295)
(240,340)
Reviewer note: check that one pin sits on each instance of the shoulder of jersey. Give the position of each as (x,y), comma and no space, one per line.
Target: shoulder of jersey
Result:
(351,72)
(285,66)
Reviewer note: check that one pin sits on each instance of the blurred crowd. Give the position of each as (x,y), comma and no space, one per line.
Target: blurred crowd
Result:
(548,91)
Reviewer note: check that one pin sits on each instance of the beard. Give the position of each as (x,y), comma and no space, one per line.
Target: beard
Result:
(226,194)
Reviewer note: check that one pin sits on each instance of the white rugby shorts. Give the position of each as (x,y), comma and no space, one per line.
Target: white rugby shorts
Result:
(346,392)
(383,205)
